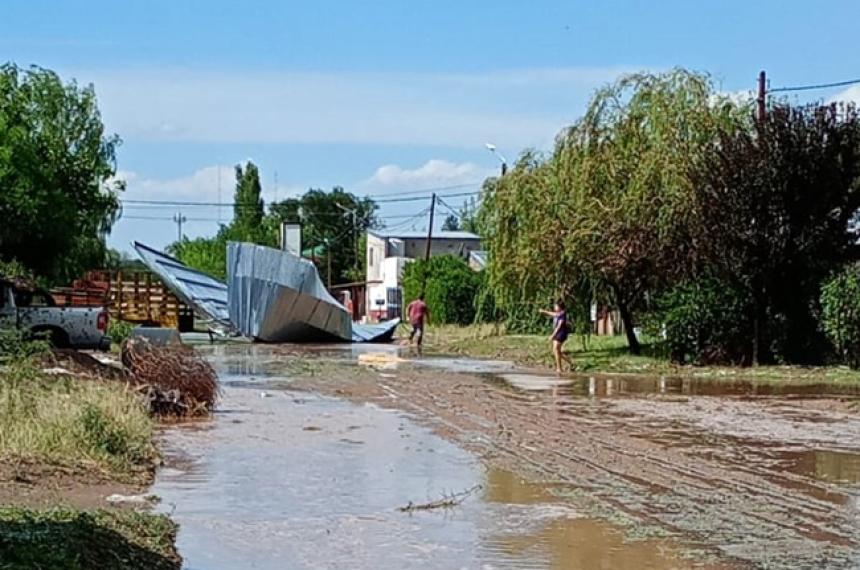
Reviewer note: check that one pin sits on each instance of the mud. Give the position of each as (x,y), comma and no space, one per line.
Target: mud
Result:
(34,484)
(285,476)
(763,475)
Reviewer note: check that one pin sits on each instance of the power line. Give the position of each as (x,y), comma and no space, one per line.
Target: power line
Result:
(814,87)
(174,203)
(197,219)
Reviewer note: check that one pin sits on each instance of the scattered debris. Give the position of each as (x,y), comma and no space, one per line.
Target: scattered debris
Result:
(133,499)
(446,502)
(56,371)
(176,379)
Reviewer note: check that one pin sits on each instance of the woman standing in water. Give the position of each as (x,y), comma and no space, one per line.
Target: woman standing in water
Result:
(560,332)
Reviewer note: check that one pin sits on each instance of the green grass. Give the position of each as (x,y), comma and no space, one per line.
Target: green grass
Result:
(609,355)
(86,540)
(73,422)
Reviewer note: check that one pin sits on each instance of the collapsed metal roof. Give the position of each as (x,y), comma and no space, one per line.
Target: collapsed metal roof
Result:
(273,296)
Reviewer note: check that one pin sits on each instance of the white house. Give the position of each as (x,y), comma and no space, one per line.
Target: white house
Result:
(387,255)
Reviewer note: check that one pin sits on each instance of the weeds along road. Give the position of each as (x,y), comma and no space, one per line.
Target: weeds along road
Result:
(766,481)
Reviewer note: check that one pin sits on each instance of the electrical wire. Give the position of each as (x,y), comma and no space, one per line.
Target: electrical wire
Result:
(378,200)
(814,87)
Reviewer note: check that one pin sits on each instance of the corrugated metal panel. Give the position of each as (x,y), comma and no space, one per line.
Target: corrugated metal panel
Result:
(205,294)
(273,296)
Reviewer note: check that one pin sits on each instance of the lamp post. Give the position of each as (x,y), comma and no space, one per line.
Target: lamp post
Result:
(492,148)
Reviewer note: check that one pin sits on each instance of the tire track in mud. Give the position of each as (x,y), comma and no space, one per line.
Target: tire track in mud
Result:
(614,454)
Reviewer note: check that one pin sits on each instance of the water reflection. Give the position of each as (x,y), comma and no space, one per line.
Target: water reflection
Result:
(300,481)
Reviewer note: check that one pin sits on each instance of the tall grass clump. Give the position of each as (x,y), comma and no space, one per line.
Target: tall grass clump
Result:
(72,422)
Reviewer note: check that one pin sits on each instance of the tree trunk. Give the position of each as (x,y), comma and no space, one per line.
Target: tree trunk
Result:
(627,321)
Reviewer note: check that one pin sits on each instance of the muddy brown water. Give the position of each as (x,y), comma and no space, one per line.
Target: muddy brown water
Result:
(283,479)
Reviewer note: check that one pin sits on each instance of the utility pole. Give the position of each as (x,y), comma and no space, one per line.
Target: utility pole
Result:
(761,100)
(430,228)
(179,219)
(328,259)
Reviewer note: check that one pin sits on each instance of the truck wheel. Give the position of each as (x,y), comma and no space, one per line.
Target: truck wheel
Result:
(57,337)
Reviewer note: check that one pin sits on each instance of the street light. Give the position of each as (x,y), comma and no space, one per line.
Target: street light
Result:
(492,148)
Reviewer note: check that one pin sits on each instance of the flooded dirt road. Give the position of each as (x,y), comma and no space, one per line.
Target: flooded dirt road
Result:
(313,451)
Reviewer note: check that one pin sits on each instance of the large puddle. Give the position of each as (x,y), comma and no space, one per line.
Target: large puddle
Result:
(282,479)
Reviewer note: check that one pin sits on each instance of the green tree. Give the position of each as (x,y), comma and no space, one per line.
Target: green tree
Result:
(336,221)
(248,207)
(450,288)
(57,201)
(451,223)
(469,221)
(772,218)
(249,224)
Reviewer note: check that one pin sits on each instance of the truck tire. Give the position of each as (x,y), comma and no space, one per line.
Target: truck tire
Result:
(56,336)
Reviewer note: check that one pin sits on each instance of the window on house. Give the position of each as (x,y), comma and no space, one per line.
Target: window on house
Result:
(370,260)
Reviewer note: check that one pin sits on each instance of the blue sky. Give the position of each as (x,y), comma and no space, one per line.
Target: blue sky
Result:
(384,97)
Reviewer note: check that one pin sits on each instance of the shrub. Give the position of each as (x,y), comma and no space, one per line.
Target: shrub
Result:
(704,322)
(15,345)
(119,330)
(840,307)
(450,290)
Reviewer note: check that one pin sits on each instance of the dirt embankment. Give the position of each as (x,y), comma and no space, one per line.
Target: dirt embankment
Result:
(758,480)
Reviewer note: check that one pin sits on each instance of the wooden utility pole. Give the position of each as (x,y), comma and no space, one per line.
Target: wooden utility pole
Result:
(762,96)
(429,242)
(430,228)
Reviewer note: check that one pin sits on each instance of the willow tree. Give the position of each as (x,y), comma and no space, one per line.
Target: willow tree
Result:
(607,211)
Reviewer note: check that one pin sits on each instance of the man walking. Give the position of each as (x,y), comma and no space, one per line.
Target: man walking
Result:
(418,314)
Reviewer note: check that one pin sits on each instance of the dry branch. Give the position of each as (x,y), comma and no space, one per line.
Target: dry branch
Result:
(446,502)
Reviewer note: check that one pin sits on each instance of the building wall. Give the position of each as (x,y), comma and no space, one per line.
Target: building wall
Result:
(387,257)
(376,253)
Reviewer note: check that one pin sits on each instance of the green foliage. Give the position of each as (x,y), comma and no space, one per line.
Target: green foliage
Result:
(248,208)
(16,345)
(468,219)
(328,226)
(450,288)
(486,310)
(599,216)
(119,330)
(209,255)
(704,322)
(840,304)
(56,163)
(249,224)
(86,540)
(451,223)
(772,219)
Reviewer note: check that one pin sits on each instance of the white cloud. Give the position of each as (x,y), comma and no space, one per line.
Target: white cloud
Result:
(515,108)
(432,174)
(200,186)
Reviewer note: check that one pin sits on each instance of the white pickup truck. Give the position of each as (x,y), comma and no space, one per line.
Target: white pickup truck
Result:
(33,310)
